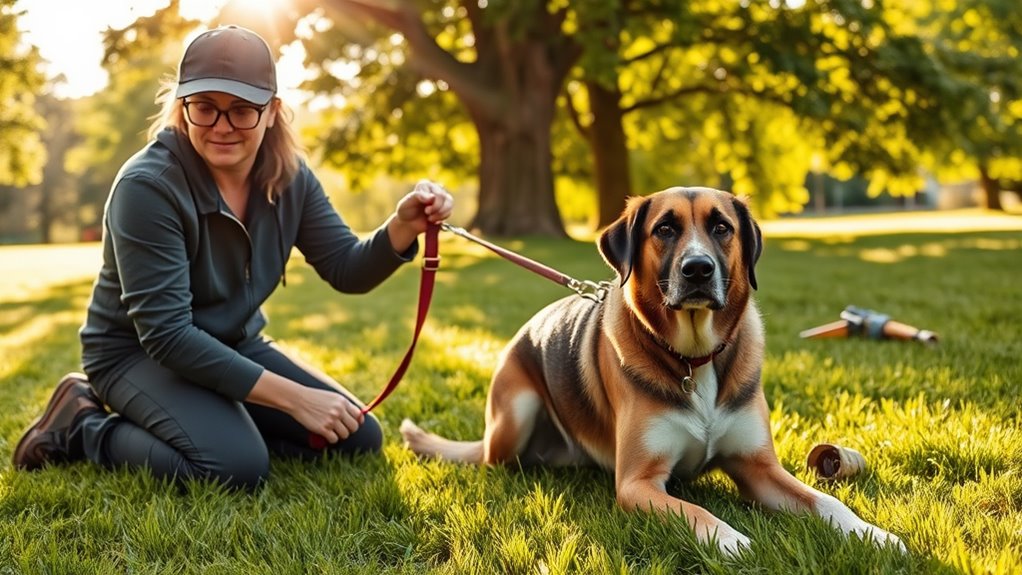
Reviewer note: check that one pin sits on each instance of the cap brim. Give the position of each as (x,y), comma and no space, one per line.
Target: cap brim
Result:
(239,89)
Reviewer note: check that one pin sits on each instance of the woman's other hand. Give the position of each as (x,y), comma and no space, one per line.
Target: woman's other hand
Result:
(323,412)
(427,203)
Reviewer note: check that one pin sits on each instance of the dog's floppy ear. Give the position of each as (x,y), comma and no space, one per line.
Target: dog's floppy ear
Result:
(752,239)
(620,242)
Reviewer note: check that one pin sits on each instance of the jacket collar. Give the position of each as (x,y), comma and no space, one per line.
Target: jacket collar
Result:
(200,180)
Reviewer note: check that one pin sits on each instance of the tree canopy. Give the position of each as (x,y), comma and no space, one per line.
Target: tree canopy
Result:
(750,96)
(517,98)
(21,151)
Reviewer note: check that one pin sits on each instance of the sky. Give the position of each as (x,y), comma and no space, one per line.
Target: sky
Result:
(68,34)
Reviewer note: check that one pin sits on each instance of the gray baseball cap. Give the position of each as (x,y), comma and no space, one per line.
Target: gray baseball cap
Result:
(228,59)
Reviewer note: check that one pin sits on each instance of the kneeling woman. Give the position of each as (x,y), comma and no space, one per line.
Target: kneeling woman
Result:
(196,234)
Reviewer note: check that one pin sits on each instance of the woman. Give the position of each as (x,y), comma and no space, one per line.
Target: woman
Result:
(197,232)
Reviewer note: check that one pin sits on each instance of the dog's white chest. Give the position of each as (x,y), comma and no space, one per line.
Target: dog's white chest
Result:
(692,437)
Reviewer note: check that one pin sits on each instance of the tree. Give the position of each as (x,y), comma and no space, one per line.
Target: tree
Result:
(113,122)
(503,61)
(741,93)
(979,44)
(57,193)
(21,152)
(753,89)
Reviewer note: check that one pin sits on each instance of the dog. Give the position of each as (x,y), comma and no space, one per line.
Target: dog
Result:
(660,379)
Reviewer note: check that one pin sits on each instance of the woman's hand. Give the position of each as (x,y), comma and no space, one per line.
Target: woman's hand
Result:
(323,412)
(427,203)
(326,414)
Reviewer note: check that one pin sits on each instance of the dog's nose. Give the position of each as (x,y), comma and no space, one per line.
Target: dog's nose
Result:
(698,269)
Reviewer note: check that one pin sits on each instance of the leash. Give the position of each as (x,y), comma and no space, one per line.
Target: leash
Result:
(595,291)
(430,265)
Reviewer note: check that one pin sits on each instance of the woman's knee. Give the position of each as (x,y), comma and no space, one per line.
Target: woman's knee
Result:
(367,439)
(241,467)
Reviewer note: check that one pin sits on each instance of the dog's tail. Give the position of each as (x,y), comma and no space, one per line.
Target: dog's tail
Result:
(430,444)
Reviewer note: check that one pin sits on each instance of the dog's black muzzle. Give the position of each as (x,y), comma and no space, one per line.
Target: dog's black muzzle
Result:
(695,282)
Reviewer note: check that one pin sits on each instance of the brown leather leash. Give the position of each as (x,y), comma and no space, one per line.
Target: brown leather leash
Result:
(587,289)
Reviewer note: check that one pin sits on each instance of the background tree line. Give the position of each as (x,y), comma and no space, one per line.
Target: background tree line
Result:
(548,107)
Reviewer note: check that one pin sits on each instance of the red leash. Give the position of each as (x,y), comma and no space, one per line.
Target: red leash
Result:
(430,264)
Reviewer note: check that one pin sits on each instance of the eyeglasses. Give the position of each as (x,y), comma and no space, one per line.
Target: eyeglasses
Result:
(206,115)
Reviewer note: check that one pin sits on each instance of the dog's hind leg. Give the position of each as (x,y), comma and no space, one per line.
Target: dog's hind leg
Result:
(432,445)
(512,409)
(508,429)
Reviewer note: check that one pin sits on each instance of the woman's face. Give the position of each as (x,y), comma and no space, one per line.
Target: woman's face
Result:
(224,147)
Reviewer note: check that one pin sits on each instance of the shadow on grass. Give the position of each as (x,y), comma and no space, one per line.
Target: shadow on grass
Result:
(40,344)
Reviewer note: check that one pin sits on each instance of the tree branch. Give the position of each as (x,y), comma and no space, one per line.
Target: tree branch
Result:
(426,56)
(576,120)
(706,89)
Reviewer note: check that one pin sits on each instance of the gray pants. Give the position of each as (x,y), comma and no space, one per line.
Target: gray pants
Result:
(181,430)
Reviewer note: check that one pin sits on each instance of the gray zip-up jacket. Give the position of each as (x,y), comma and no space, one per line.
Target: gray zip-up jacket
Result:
(183,279)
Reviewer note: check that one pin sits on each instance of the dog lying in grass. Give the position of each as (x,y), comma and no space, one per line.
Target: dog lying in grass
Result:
(660,379)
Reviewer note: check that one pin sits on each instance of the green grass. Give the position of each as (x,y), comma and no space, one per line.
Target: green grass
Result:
(941,429)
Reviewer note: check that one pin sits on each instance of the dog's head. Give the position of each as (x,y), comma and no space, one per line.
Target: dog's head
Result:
(685,249)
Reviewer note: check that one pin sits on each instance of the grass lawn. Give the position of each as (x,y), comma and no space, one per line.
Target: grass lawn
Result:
(940,427)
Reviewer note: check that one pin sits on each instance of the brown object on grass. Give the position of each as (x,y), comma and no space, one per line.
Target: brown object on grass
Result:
(831,461)
(861,322)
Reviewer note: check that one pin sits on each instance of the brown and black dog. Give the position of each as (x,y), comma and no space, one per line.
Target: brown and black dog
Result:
(660,379)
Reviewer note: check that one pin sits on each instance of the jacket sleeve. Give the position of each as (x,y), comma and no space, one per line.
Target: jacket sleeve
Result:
(349,264)
(147,227)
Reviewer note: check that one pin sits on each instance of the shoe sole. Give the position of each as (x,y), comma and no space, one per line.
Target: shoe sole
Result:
(62,389)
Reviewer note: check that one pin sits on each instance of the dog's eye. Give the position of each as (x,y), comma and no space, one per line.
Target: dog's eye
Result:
(722,229)
(664,231)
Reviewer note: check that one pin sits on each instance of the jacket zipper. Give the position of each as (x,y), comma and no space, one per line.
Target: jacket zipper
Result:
(248,267)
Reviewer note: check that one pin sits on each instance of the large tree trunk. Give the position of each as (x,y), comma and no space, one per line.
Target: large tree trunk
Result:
(610,153)
(991,189)
(516,186)
(510,91)
(521,79)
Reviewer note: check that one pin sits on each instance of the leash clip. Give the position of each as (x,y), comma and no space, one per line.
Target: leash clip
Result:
(589,289)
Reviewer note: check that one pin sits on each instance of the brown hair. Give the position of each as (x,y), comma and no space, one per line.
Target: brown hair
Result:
(278,157)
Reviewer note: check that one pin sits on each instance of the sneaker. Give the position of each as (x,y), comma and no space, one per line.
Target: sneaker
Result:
(46,440)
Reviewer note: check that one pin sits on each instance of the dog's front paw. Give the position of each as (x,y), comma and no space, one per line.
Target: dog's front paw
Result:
(730,541)
(881,538)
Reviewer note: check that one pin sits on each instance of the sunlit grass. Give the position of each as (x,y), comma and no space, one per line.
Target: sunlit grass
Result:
(940,427)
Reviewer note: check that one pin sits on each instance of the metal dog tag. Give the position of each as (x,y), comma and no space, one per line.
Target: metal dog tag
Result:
(688,385)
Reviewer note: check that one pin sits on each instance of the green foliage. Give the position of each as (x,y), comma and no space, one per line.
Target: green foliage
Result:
(137,58)
(390,118)
(940,429)
(979,44)
(21,152)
